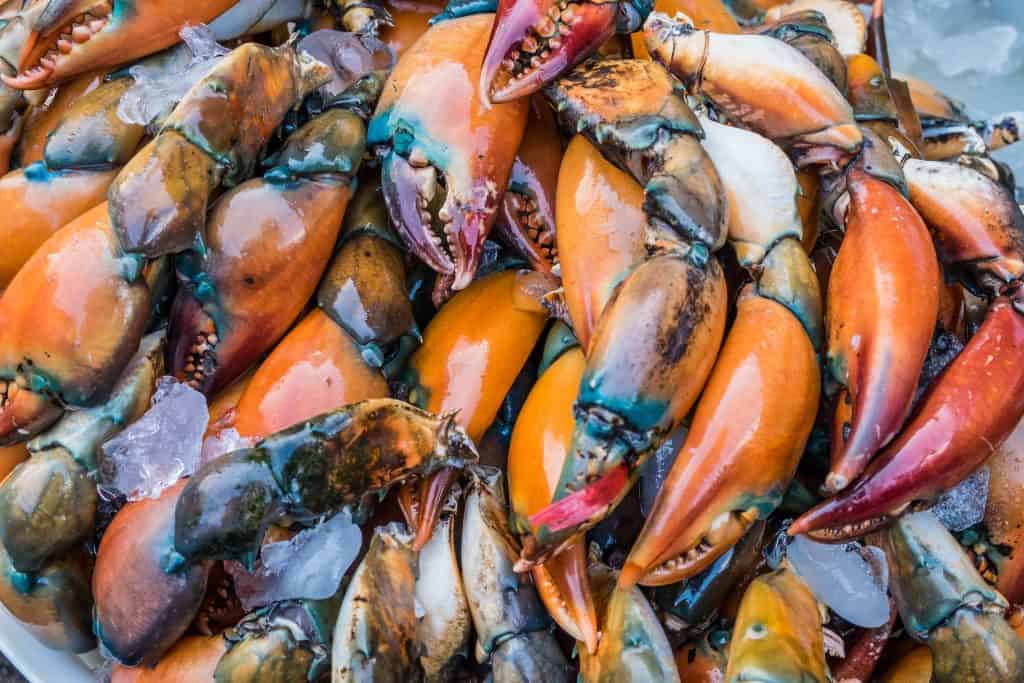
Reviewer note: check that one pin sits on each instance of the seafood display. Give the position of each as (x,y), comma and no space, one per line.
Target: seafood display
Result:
(523,341)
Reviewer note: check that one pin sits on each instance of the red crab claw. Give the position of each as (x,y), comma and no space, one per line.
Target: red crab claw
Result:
(423,501)
(970,410)
(877,342)
(535,41)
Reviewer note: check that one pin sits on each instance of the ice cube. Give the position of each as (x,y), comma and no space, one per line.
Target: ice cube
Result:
(843,579)
(964,505)
(310,565)
(223,442)
(163,80)
(160,447)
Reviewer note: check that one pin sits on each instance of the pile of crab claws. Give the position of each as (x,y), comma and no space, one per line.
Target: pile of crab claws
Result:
(535,41)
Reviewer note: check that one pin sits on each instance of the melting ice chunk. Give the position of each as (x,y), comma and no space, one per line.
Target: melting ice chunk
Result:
(160,447)
(163,80)
(310,565)
(964,505)
(223,442)
(841,577)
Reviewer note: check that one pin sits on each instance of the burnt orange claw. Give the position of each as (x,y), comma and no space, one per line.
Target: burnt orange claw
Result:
(267,243)
(763,84)
(809,32)
(158,203)
(969,411)
(445,169)
(742,449)
(72,318)
(535,41)
(527,218)
(877,343)
(102,33)
(146,595)
(80,160)
(409,21)
(491,328)
(540,443)
(601,232)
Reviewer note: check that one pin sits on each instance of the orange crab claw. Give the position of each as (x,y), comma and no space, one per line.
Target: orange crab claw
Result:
(969,411)
(445,169)
(533,42)
(877,342)
(539,446)
(267,244)
(492,334)
(74,36)
(71,319)
(741,451)
(601,232)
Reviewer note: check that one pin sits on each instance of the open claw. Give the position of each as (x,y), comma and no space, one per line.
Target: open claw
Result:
(423,501)
(564,588)
(535,41)
(970,410)
(71,37)
(409,191)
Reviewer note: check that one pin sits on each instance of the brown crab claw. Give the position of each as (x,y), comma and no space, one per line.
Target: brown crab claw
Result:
(535,41)
(71,37)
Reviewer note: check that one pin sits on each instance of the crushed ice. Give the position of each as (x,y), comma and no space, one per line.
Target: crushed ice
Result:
(849,578)
(160,447)
(163,80)
(963,505)
(310,565)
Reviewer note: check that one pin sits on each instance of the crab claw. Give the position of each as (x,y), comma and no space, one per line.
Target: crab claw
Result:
(778,635)
(945,603)
(146,595)
(969,411)
(635,389)
(536,41)
(70,321)
(714,493)
(540,443)
(444,175)
(311,469)
(877,342)
(71,37)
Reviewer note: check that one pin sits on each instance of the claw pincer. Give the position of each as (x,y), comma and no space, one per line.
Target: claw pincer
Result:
(267,243)
(445,161)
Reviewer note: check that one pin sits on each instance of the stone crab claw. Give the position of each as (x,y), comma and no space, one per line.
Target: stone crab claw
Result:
(71,37)
(445,168)
(945,603)
(778,635)
(535,41)
(311,469)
